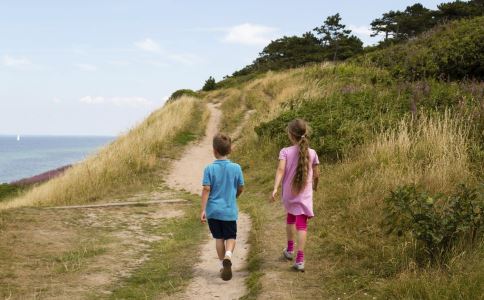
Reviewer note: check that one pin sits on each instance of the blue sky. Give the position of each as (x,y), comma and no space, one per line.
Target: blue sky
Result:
(99,67)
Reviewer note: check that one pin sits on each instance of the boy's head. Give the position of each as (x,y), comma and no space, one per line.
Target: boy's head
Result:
(222,144)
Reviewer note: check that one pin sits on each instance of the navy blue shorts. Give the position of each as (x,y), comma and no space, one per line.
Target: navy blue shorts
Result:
(224,230)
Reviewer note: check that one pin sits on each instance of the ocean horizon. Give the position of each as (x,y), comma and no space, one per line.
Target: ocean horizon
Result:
(29,155)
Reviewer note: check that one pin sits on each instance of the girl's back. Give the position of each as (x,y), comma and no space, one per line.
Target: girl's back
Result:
(297,203)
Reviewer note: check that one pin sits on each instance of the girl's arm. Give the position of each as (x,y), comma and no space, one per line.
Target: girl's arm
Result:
(279,174)
(315,177)
(205,193)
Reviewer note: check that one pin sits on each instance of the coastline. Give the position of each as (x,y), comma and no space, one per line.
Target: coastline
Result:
(10,189)
(42,177)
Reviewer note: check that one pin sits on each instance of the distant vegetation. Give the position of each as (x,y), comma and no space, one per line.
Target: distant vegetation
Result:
(451,51)
(209,84)
(332,41)
(183,92)
(8,190)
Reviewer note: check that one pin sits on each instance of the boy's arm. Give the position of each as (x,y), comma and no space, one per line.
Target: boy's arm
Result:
(205,193)
(315,177)
(279,174)
(240,189)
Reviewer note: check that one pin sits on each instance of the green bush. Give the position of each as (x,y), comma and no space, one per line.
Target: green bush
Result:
(7,190)
(438,222)
(183,92)
(454,51)
(210,84)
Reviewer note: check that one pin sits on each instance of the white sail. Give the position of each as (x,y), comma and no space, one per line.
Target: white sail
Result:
(18,137)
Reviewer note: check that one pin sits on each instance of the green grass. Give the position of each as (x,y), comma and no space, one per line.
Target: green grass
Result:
(185,137)
(9,190)
(74,260)
(249,203)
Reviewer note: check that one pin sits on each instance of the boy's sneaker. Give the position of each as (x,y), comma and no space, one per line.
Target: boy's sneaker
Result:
(227,269)
(298,266)
(288,254)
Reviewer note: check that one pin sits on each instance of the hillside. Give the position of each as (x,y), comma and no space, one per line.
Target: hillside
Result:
(364,131)
(377,134)
(399,212)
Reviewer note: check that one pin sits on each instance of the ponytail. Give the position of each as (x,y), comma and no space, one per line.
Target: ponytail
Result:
(297,129)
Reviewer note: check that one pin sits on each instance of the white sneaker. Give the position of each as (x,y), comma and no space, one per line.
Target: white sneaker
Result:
(288,254)
(299,266)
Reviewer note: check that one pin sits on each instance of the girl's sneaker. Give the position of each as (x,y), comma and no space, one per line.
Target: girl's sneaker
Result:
(288,254)
(299,266)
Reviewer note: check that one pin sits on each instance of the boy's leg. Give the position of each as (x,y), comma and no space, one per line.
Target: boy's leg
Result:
(220,245)
(217,233)
(230,234)
(230,245)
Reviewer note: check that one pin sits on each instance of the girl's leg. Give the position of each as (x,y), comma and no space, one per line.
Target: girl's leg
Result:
(220,245)
(301,227)
(290,231)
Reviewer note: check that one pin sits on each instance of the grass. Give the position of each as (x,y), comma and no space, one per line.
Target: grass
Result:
(127,163)
(168,269)
(77,248)
(74,260)
(8,191)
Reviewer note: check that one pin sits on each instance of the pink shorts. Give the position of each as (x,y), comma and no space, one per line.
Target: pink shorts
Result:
(301,221)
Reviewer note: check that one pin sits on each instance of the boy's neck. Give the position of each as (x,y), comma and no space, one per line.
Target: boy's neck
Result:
(221,157)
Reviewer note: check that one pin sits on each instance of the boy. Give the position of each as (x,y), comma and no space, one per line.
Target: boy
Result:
(223,182)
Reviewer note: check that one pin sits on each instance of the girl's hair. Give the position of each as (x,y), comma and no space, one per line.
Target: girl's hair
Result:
(297,128)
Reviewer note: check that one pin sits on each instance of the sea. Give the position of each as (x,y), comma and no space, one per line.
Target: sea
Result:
(27,156)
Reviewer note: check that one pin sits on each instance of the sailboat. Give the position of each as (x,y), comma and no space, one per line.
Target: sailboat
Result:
(18,137)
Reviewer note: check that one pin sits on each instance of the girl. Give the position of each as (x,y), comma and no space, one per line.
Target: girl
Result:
(298,171)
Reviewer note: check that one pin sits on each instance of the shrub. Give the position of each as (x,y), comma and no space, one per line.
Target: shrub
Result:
(438,222)
(210,84)
(7,190)
(454,50)
(183,92)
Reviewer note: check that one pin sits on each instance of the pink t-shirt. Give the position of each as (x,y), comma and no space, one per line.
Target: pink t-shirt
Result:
(301,204)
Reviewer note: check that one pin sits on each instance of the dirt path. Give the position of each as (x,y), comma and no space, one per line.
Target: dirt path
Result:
(186,174)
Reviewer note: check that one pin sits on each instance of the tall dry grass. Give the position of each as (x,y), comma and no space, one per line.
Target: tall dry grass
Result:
(121,163)
(431,151)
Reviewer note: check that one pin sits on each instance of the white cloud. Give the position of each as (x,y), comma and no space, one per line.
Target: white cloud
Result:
(250,34)
(118,101)
(363,30)
(364,33)
(14,62)
(56,100)
(148,45)
(86,67)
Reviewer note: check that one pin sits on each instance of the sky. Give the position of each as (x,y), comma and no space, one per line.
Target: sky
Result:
(99,67)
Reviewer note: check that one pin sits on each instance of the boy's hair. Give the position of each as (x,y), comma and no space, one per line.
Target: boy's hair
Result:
(222,143)
(298,129)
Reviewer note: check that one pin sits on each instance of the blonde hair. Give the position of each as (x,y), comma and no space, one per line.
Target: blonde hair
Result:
(297,128)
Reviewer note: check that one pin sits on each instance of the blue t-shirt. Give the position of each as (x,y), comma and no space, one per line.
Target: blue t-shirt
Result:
(223,177)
